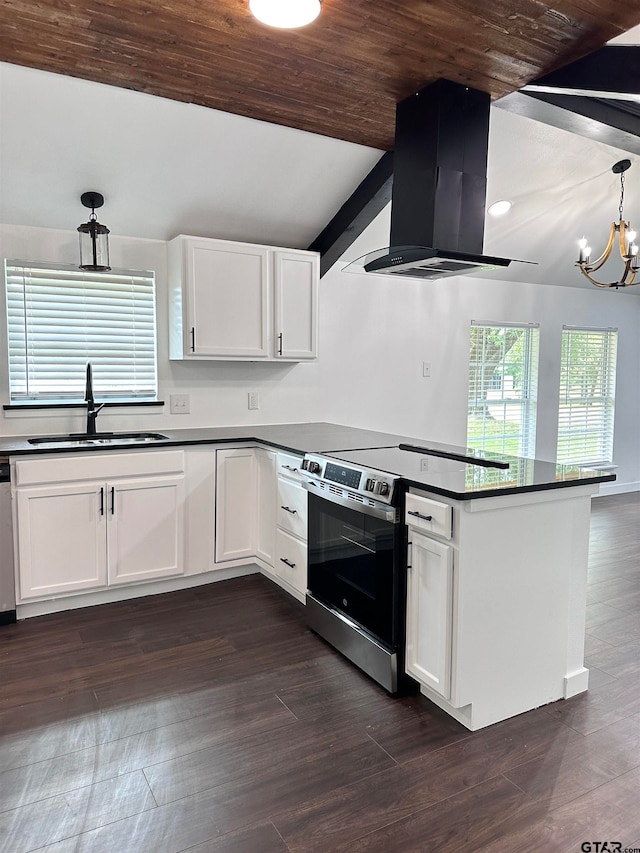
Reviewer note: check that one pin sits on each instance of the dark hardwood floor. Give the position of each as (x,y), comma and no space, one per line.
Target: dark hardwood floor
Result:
(212,720)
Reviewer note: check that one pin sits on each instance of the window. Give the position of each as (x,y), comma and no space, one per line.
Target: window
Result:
(59,318)
(587,395)
(503,379)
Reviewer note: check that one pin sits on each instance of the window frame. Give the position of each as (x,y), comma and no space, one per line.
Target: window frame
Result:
(140,338)
(601,429)
(526,400)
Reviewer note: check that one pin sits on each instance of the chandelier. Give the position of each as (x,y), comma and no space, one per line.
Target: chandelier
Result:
(626,244)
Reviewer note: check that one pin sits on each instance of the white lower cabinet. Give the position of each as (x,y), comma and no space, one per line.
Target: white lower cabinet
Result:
(235,504)
(291,535)
(144,529)
(76,530)
(429,612)
(260,514)
(291,561)
(245,504)
(61,539)
(266,505)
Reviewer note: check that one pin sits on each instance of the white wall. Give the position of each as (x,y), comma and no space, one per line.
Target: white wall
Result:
(218,390)
(376,372)
(168,168)
(374,336)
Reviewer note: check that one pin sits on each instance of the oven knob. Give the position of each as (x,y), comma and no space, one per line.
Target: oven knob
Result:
(370,485)
(382,488)
(305,465)
(314,467)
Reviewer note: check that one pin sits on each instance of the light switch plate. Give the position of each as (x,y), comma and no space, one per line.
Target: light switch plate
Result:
(179,404)
(426,369)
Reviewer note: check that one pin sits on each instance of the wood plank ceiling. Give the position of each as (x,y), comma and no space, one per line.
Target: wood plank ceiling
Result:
(341,76)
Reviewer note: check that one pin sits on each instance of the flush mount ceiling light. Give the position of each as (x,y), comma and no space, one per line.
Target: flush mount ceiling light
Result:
(286,14)
(94,237)
(626,243)
(499,208)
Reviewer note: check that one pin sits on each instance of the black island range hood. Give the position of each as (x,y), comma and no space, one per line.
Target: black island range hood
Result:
(439,187)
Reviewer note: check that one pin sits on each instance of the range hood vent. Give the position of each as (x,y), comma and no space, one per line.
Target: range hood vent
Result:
(439,187)
(424,262)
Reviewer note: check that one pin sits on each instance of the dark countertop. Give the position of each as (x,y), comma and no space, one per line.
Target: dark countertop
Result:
(451,478)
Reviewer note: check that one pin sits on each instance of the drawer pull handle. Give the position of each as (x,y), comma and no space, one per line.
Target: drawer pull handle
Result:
(420,515)
(288,509)
(287,563)
(289,468)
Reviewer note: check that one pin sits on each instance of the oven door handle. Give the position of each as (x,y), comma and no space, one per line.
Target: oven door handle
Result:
(378,510)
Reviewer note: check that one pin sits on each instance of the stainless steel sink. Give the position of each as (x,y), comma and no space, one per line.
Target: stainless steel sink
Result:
(100,439)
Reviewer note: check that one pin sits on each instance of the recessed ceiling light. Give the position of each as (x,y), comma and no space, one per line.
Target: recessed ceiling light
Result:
(286,14)
(499,208)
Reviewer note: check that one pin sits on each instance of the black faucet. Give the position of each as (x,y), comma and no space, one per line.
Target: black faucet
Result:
(92,409)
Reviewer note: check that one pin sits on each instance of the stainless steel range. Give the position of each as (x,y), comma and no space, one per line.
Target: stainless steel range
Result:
(357,570)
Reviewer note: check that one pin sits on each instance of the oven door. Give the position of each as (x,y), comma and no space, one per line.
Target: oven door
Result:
(353,564)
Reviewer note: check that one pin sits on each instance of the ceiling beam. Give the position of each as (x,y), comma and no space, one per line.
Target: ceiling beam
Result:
(611,72)
(596,97)
(588,117)
(358,211)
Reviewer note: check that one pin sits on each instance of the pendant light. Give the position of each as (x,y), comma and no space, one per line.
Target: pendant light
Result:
(94,237)
(285,14)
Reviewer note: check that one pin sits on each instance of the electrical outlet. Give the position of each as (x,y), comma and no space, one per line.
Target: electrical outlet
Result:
(424,464)
(179,404)
(254,400)
(426,369)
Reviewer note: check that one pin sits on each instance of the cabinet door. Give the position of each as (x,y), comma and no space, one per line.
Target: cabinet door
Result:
(61,539)
(227,299)
(266,505)
(429,612)
(145,528)
(235,504)
(296,277)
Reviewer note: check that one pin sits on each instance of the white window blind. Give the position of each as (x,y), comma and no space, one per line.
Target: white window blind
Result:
(587,396)
(503,384)
(59,318)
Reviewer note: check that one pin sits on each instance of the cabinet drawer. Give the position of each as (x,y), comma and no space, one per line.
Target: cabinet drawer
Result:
(288,465)
(97,466)
(429,515)
(291,510)
(291,561)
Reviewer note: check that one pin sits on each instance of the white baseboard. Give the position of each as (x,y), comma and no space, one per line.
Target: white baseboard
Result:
(618,488)
(576,682)
(122,593)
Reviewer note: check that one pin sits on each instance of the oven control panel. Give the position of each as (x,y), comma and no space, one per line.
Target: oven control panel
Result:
(337,473)
(363,481)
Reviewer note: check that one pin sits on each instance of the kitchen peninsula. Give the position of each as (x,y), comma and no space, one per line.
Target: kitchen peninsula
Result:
(497,555)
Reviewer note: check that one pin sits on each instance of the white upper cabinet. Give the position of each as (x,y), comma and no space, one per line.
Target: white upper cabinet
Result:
(241,302)
(296,276)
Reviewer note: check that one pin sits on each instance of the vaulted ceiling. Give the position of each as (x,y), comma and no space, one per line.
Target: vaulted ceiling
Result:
(340,77)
